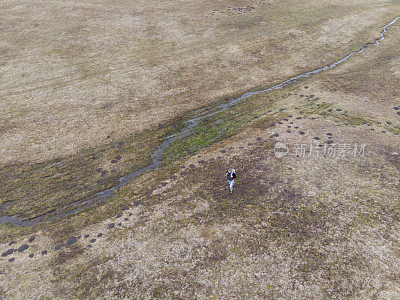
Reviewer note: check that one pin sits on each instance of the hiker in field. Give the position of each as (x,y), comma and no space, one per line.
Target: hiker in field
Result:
(231,175)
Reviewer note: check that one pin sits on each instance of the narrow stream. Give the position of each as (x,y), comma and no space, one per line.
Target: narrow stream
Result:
(189,125)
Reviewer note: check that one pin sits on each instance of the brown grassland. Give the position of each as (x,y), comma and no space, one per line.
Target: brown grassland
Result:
(88,91)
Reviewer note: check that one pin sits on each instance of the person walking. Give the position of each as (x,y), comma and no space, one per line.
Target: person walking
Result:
(231,175)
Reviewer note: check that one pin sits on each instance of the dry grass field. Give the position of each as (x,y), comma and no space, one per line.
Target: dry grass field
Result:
(79,74)
(88,91)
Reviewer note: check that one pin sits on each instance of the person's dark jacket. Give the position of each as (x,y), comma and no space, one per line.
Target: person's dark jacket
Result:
(230,175)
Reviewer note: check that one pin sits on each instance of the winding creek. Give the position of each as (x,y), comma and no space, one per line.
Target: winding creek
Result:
(188,128)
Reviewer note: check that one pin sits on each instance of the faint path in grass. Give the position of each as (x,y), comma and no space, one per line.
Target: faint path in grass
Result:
(189,125)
